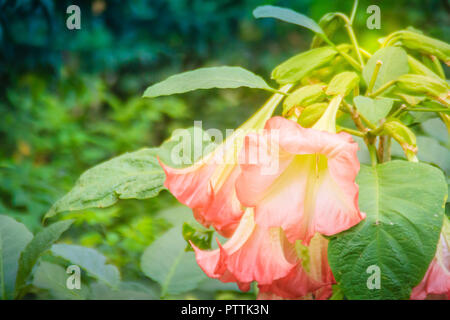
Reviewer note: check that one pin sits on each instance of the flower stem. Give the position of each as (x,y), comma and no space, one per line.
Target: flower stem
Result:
(376,70)
(358,116)
(377,131)
(428,110)
(388,149)
(351,131)
(383,88)
(353,14)
(365,53)
(347,57)
(373,154)
(398,111)
(352,36)
(381,148)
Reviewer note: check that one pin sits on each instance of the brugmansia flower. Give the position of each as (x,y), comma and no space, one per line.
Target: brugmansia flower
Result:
(207,187)
(312,278)
(265,255)
(437,278)
(251,254)
(313,189)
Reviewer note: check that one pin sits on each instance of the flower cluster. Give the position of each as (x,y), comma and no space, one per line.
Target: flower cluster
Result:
(274,216)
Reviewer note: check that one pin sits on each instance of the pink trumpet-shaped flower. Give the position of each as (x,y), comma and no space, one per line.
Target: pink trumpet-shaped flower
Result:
(310,279)
(437,278)
(313,188)
(208,186)
(251,254)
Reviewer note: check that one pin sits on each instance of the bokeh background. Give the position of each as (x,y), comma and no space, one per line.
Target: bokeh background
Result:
(70,99)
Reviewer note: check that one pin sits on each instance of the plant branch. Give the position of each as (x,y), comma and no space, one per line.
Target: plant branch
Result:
(428,110)
(398,111)
(351,131)
(352,36)
(373,153)
(381,143)
(347,57)
(357,117)
(365,53)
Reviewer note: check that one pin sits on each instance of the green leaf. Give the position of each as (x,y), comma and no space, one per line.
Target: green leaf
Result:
(303,97)
(200,237)
(90,260)
(166,262)
(299,66)
(207,78)
(41,242)
(373,109)
(14,237)
(53,277)
(287,15)
(343,83)
(395,64)
(431,151)
(132,175)
(404,204)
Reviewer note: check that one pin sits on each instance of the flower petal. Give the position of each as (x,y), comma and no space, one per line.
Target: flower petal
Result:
(313,188)
(207,187)
(300,283)
(252,254)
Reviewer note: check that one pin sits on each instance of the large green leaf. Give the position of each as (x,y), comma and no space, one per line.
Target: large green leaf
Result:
(167,262)
(404,206)
(90,260)
(373,109)
(299,66)
(38,245)
(53,278)
(14,237)
(287,15)
(131,175)
(207,78)
(431,151)
(395,64)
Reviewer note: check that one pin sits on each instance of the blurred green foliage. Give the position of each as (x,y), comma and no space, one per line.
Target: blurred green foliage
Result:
(70,99)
